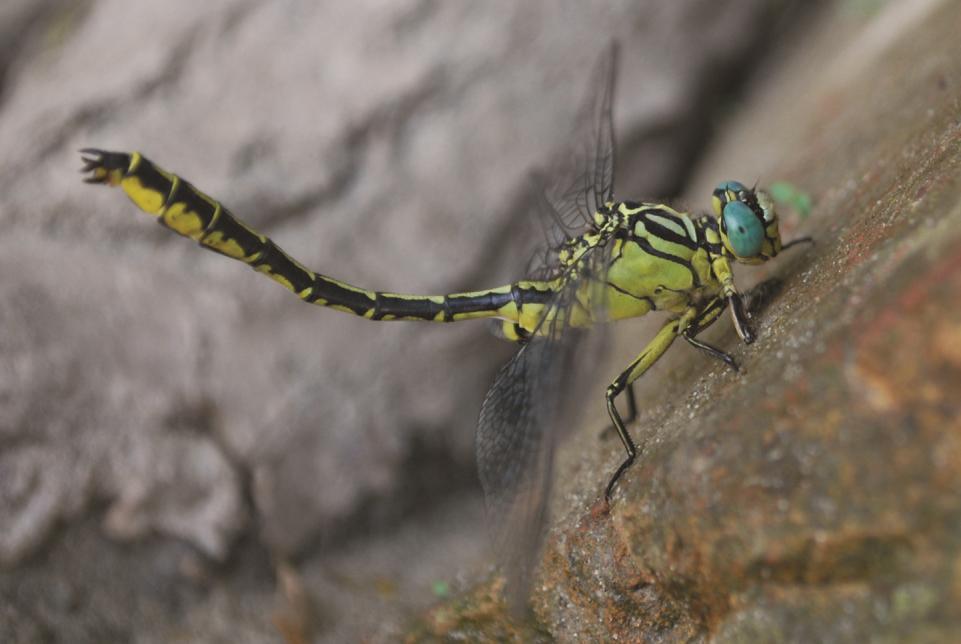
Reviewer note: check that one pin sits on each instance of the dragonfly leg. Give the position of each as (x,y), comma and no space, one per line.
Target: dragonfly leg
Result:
(654,350)
(631,411)
(705,318)
(712,351)
(631,404)
(799,240)
(739,315)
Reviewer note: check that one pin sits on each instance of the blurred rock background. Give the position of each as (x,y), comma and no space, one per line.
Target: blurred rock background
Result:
(186,451)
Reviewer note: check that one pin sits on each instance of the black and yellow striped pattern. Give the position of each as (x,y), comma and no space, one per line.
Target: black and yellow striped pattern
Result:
(632,259)
(183,208)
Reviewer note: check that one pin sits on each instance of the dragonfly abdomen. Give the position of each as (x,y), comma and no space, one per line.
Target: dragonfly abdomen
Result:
(183,208)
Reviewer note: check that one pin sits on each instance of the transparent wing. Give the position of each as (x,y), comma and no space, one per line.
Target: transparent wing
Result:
(534,398)
(530,402)
(581,179)
(514,461)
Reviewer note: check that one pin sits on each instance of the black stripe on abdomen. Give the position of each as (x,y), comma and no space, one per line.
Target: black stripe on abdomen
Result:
(335,293)
(281,264)
(421,308)
(194,201)
(490,301)
(151,178)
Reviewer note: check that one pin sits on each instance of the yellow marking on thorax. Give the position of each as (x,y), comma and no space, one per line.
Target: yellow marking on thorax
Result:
(675,301)
(639,273)
(668,223)
(621,306)
(702,266)
(711,236)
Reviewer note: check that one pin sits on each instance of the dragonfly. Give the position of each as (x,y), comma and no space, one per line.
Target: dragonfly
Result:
(601,260)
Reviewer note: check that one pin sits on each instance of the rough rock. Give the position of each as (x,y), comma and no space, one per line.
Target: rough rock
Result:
(155,399)
(813,497)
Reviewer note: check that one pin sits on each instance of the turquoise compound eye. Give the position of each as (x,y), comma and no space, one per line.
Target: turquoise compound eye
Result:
(744,229)
(733,186)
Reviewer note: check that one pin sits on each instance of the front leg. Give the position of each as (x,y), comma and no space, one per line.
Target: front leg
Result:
(705,318)
(654,350)
(739,315)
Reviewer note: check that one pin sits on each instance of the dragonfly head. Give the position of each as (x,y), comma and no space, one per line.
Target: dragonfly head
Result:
(747,221)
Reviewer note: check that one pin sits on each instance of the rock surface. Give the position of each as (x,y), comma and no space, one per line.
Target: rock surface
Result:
(174,429)
(814,496)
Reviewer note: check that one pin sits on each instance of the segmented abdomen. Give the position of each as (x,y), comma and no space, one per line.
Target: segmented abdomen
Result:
(183,208)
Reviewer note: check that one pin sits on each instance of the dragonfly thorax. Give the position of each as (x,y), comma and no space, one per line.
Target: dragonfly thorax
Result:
(608,219)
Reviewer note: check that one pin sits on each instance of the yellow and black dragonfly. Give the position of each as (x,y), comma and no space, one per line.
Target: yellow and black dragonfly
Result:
(603,260)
